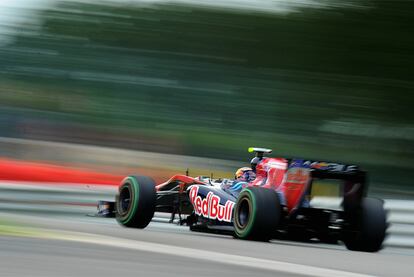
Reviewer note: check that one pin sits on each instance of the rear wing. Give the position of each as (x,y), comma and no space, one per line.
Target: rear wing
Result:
(354,188)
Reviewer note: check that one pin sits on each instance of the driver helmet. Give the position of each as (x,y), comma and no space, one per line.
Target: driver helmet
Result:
(245,174)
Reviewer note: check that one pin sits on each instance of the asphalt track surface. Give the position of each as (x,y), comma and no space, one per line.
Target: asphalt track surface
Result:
(90,246)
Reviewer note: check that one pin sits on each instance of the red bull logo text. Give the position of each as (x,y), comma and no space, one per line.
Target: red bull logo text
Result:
(210,206)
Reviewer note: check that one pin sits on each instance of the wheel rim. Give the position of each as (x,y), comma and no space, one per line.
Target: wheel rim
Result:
(124,204)
(243,213)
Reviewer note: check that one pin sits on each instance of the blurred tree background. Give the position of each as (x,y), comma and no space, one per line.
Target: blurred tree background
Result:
(328,83)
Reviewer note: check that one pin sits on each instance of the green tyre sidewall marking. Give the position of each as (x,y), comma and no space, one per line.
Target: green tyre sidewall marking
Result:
(135,187)
(247,231)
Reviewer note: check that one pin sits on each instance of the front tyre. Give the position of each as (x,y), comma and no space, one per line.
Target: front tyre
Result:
(257,214)
(368,228)
(135,201)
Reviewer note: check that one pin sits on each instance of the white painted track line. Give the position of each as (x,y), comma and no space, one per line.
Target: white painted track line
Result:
(229,259)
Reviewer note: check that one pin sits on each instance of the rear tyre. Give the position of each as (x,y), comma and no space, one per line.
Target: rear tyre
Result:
(257,214)
(135,201)
(368,227)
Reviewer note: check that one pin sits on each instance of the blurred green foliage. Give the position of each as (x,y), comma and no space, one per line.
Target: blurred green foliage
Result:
(333,84)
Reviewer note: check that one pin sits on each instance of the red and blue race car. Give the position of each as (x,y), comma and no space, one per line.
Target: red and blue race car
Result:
(273,204)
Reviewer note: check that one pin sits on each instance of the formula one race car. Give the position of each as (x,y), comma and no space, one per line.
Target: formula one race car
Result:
(274,204)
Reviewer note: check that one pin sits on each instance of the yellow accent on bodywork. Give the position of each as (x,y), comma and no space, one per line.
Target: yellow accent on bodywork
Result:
(325,189)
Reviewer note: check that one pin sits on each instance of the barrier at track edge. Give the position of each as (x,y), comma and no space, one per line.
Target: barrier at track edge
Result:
(75,199)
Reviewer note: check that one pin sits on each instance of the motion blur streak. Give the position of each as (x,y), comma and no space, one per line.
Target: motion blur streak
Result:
(153,87)
(328,80)
(189,253)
